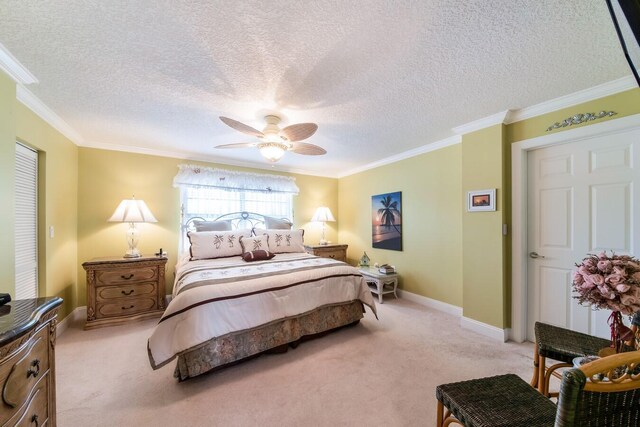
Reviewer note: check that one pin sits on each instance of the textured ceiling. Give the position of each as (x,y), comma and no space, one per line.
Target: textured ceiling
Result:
(379,77)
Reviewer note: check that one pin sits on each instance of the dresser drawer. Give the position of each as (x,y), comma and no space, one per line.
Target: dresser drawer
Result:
(125,275)
(20,373)
(36,410)
(106,293)
(125,307)
(339,254)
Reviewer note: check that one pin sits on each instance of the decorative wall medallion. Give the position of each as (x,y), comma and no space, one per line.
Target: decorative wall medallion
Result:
(580,118)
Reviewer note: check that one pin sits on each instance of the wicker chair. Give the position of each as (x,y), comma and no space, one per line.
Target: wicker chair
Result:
(587,398)
(562,345)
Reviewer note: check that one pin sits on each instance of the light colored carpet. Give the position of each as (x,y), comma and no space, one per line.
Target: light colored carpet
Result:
(377,373)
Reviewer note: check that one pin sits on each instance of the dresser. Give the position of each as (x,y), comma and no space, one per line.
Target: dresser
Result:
(120,290)
(338,252)
(27,362)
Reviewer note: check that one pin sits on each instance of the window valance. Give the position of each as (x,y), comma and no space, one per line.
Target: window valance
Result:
(200,176)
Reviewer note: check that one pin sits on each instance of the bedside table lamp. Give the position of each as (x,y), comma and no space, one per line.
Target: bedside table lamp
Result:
(323,215)
(132,211)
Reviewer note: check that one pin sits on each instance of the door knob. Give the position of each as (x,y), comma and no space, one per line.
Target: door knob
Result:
(535,255)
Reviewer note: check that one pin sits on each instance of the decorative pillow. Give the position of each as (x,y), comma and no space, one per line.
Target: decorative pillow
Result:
(216,244)
(212,225)
(281,241)
(254,243)
(258,255)
(271,223)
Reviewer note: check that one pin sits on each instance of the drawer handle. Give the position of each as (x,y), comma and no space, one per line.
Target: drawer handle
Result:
(34,419)
(34,372)
(127,308)
(127,293)
(332,256)
(127,277)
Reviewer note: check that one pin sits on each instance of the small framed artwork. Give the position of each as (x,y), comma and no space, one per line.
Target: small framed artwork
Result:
(481,200)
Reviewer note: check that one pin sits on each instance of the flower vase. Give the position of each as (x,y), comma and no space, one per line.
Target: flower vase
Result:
(619,333)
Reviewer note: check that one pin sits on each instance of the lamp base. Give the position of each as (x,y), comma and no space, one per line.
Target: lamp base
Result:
(132,253)
(323,242)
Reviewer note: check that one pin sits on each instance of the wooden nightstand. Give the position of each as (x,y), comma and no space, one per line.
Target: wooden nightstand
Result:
(123,289)
(338,252)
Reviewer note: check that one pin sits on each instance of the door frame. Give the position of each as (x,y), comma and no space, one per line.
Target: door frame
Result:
(519,185)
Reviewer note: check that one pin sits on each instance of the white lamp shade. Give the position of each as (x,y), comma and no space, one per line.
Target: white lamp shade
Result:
(132,210)
(323,214)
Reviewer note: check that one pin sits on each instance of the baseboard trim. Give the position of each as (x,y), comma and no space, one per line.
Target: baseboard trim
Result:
(431,303)
(77,315)
(485,329)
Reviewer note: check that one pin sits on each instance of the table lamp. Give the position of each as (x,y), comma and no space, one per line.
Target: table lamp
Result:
(323,215)
(132,211)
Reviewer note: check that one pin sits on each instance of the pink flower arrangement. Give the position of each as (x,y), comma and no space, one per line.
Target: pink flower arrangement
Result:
(609,282)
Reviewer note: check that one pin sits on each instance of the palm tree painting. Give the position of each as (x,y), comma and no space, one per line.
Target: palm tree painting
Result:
(387,221)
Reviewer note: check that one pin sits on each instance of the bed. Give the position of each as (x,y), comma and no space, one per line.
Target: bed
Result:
(225,310)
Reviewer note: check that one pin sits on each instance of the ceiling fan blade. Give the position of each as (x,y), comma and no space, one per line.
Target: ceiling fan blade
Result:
(239,145)
(299,132)
(308,149)
(241,127)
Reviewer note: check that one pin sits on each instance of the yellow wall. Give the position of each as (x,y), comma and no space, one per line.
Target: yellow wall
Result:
(7,180)
(483,256)
(430,263)
(57,198)
(107,177)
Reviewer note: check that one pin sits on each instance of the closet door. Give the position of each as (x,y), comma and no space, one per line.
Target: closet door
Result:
(26,222)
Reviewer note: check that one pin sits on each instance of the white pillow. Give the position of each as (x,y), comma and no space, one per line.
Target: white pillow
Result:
(216,244)
(271,223)
(254,243)
(281,241)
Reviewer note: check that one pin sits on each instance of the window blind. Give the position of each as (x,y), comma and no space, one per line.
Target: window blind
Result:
(26,222)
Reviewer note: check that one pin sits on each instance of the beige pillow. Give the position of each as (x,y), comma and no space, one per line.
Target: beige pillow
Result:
(283,241)
(254,243)
(212,225)
(271,223)
(216,244)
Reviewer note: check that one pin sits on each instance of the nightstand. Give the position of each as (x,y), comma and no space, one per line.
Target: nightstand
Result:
(380,283)
(338,252)
(120,290)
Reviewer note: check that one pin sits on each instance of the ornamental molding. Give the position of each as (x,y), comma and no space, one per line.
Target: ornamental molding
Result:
(14,69)
(577,119)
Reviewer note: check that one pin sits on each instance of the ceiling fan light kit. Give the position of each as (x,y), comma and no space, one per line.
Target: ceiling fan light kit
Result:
(274,142)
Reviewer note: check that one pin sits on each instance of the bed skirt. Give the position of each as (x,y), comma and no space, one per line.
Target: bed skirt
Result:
(234,347)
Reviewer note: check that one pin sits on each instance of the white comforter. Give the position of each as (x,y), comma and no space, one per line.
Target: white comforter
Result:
(212,298)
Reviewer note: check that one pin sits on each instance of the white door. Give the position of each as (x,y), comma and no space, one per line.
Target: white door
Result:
(582,199)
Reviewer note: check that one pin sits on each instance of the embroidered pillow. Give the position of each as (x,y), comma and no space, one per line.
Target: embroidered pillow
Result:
(212,225)
(258,255)
(254,243)
(276,224)
(282,241)
(215,244)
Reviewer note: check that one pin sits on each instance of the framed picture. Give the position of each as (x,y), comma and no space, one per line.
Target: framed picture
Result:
(386,224)
(481,200)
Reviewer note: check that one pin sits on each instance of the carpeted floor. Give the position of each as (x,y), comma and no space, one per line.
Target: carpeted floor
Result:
(376,373)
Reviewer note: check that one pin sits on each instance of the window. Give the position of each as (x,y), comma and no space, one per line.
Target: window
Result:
(26,223)
(210,203)
(209,193)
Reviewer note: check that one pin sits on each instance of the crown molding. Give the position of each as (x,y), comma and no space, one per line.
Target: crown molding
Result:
(586,95)
(452,140)
(14,69)
(34,103)
(485,122)
(198,157)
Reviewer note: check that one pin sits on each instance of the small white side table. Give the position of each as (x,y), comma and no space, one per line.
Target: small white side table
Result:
(380,283)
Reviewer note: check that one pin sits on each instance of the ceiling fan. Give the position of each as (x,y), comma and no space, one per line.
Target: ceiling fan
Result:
(273,142)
